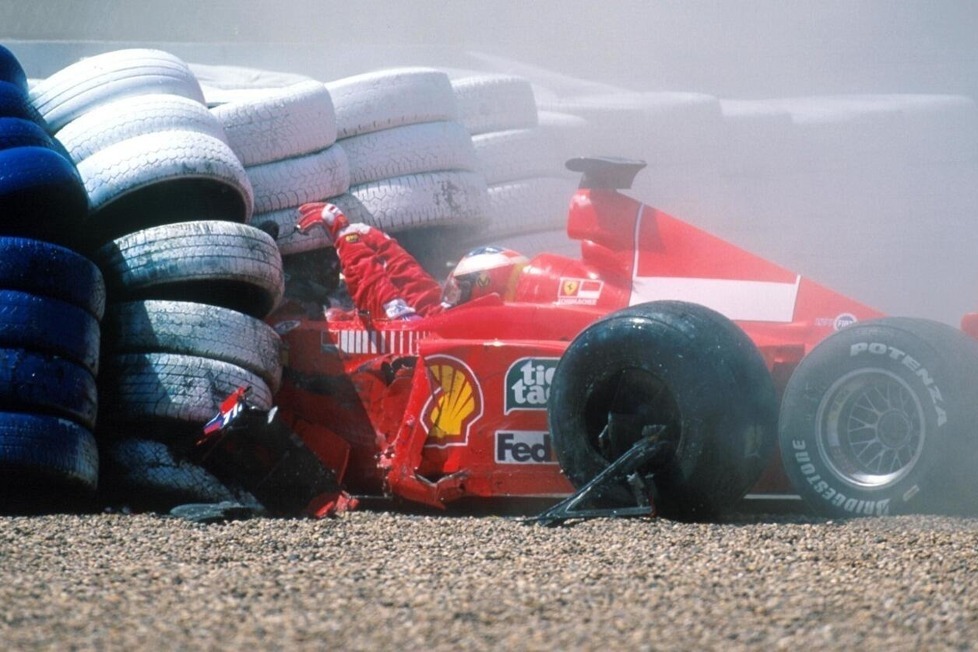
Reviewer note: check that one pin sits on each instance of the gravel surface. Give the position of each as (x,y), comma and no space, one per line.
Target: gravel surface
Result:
(375,580)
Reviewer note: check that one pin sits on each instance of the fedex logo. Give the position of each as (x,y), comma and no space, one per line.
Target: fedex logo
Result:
(524,447)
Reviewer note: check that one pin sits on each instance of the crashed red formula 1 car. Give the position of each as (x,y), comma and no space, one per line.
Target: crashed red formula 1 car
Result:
(653,373)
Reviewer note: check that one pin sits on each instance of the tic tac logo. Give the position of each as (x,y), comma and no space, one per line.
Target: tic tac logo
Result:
(455,403)
(579,291)
(524,447)
(528,383)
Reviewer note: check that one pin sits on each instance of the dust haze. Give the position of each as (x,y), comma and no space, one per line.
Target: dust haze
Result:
(848,149)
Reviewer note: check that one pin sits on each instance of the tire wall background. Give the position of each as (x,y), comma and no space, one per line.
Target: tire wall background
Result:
(837,138)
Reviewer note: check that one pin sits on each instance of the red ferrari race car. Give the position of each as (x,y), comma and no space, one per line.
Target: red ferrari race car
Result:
(653,373)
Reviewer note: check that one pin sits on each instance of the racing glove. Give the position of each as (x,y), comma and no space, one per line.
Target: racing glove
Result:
(324,214)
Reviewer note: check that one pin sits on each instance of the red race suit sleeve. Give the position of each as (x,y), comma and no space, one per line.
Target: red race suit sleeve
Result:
(382,277)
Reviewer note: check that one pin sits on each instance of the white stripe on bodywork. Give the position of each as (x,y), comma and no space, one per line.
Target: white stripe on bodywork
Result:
(359,342)
(738,300)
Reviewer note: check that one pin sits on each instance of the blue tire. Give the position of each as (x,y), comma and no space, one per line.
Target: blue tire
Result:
(15,103)
(18,132)
(38,453)
(46,384)
(50,326)
(41,194)
(50,270)
(11,71)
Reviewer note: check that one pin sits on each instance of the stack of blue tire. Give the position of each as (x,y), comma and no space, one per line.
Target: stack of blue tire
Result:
(51,304)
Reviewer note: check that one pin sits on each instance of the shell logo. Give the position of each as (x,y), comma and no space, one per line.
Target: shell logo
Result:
(455,403)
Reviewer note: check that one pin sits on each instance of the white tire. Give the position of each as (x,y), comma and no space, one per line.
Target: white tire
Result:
(295,181)
(390,98)
(127,117)
(83,85)
(196,329)
(419,200)
(527,206)
(515,154)
(410,149)
(139,387)
(283,123)
(495,103)
(235,266)
(128,167)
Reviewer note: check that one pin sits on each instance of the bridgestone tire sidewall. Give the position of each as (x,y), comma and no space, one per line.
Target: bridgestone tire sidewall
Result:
(718,380)
(930,358)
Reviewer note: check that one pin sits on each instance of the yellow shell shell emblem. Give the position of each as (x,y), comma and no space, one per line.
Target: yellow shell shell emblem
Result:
(455,401)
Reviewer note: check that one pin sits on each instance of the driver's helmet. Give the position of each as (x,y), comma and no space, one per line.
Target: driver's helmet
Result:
(483,271)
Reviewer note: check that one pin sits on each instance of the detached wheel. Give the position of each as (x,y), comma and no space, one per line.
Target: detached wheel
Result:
(672,364)
(874,417)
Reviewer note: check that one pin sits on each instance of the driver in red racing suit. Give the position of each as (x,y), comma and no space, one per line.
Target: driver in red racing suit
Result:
(382,278)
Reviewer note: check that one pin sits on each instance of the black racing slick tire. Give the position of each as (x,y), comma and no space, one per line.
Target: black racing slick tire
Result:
(675,364)
(874,419)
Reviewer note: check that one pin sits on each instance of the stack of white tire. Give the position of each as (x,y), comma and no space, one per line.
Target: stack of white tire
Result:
(412,164)
(286,139)
(522,160)
(148,151)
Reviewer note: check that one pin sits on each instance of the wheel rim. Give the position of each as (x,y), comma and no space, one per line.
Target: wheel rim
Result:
(870,428)
(629,400)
